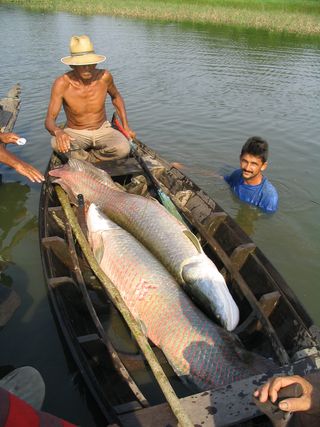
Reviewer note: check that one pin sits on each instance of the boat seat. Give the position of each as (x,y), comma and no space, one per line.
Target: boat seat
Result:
(128,166)
(268,302)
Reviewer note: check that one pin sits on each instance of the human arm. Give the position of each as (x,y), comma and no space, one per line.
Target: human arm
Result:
(308,402)
(9,137)
(63,140)
(119,105)
(20,166)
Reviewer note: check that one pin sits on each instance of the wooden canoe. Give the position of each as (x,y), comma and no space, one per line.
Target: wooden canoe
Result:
(273,321)
(9,109)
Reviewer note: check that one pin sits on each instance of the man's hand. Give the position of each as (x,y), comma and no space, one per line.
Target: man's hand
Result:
(63,141)
(9,137)
(130,132)
(29,171)
(271,388)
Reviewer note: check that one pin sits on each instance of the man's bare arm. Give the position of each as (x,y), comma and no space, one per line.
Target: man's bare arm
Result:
(119,105)
(9,137)
(62,139)
(20,166)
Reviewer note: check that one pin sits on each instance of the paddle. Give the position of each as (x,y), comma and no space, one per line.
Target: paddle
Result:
(163,198)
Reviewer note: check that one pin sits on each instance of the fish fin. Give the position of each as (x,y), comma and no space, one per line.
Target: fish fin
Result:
(99,251)
(194,240)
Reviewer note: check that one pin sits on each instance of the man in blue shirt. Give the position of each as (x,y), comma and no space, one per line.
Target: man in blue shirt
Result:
(248,183)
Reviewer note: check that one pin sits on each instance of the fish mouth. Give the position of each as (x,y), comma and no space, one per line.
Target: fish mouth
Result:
(206,285)
(221,304)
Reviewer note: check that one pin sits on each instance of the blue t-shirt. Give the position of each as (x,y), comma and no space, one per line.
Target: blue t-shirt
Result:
(263,195)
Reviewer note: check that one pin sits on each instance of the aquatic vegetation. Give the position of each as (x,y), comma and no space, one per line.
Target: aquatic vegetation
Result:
(292,16)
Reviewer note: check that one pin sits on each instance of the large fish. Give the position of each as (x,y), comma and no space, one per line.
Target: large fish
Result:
(199,351)
(166,237)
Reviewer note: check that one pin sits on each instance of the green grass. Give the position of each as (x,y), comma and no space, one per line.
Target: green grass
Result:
(291,16)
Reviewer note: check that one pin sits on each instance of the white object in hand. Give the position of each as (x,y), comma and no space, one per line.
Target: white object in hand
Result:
(21,141)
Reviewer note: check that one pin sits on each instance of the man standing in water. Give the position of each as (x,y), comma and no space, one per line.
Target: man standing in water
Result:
(248,183)
(82,92)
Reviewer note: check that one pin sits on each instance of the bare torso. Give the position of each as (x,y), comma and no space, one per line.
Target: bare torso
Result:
(82,93)
(84,104)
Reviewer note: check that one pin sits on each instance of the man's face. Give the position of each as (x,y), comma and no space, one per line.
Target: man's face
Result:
(85,72)
(252,168)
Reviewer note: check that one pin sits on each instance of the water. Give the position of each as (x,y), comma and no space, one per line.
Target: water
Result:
(195,94)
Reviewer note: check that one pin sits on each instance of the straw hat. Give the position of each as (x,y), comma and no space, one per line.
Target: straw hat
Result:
(82,52)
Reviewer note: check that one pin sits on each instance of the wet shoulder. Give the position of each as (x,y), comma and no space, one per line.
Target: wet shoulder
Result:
(269,188)
(270,200)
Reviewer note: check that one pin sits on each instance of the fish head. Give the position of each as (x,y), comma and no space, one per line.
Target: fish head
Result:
(63,176)
(98,224)
(206,285)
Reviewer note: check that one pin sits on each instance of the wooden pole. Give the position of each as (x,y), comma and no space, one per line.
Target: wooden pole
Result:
(115,296)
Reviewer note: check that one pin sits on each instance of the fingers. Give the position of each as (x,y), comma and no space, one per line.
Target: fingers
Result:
(9,138)
(30,172)
(63,141)
(131,133)
(295,404)
(271,389)
(177,165)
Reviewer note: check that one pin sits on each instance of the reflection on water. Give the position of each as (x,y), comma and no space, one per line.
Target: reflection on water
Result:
(246,217)
(195,93)
(14,219)
(15,223)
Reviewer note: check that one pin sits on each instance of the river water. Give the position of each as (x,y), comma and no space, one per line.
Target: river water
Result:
(195,94)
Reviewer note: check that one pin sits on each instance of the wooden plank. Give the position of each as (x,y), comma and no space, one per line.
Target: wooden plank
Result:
(128,166)
(54,282)
(226,406)
(215,220)
(241,253)
(268,303)
(60,249)
(127,407)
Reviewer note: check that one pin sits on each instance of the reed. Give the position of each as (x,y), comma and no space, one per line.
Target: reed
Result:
(291,16)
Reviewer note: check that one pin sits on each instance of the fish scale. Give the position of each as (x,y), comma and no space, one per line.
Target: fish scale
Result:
(199,351)
(167,238)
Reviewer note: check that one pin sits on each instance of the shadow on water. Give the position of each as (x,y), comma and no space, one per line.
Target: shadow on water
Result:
(247,217)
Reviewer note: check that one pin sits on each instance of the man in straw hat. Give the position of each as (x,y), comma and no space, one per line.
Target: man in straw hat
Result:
(82,92)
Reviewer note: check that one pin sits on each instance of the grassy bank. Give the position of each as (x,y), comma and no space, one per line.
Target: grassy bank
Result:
(292,16)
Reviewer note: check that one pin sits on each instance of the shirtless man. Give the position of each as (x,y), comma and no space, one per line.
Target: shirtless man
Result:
(82,92)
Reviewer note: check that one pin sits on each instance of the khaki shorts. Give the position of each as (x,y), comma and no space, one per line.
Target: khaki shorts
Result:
(105,143)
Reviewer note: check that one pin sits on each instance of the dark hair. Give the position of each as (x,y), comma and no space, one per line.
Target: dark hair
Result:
(256,146)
